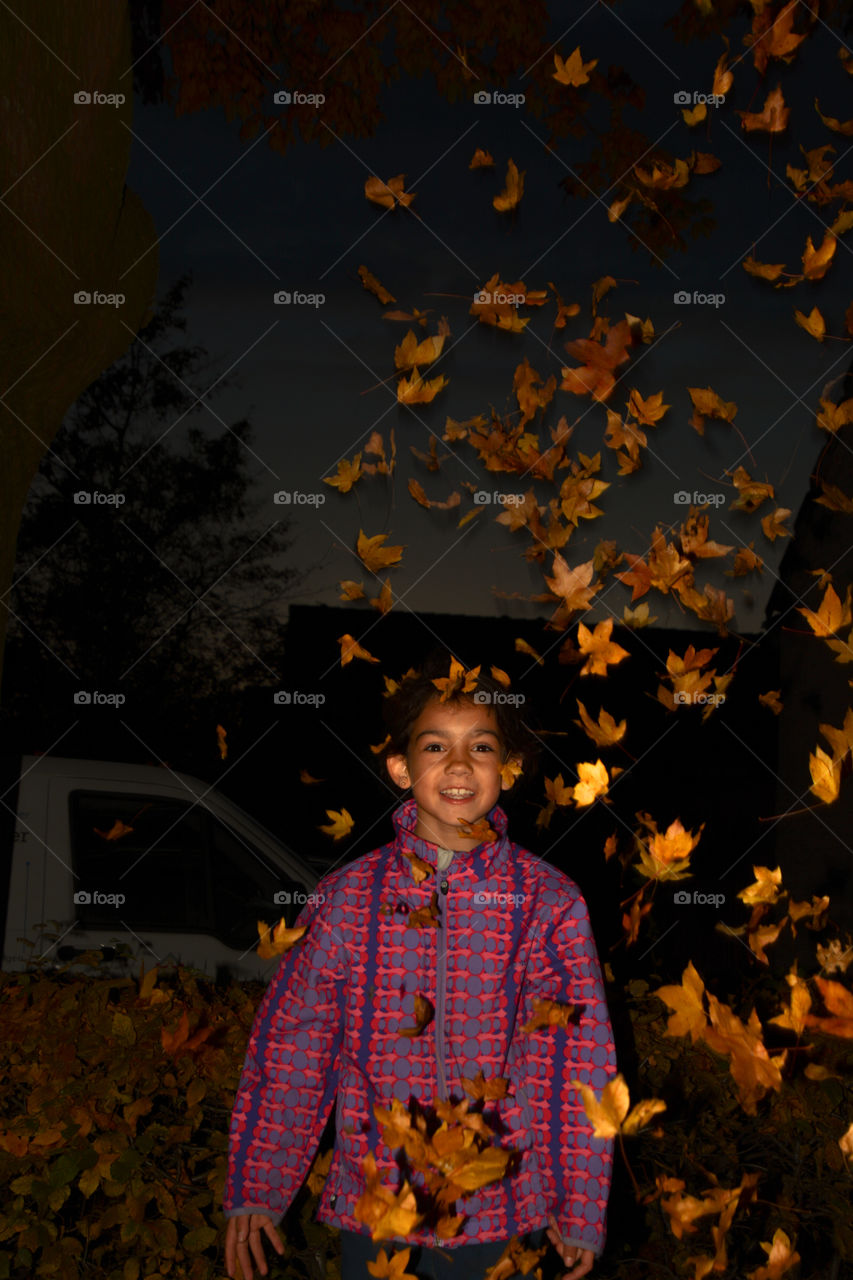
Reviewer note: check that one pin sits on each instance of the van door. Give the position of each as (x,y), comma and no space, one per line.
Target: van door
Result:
(168,880)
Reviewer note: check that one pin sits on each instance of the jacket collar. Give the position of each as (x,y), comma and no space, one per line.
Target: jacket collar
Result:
(477,864)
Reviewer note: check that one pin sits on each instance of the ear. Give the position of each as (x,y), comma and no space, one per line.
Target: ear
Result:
(398,770)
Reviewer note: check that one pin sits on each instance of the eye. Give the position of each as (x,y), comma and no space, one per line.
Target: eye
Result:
(437,746)
(483,746)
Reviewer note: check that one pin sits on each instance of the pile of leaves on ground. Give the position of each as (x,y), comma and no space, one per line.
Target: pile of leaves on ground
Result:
(119,1091)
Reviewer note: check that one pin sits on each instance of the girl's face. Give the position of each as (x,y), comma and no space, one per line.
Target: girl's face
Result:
(453,765)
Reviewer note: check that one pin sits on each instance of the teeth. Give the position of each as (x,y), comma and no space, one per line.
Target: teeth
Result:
(457,792)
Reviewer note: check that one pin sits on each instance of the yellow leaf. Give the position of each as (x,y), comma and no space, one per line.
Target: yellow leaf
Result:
(373,555)
(350,648)
(813,323)
(340,826)
(388,193)
(593,783)
(513,189)
(573,71)
(826,776)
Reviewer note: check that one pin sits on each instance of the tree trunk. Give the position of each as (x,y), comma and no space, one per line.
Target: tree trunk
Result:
(68,224)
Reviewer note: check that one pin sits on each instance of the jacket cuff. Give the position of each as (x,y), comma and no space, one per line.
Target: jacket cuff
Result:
(253,1208)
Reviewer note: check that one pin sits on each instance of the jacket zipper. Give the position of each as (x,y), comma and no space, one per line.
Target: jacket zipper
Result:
(440,993)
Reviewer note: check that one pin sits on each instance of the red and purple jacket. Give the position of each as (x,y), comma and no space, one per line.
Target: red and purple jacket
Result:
(513,930)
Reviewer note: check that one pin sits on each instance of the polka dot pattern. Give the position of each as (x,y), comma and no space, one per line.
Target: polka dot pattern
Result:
(328,1033)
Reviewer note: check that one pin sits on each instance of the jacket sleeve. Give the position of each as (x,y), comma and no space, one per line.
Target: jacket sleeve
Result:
(565,967)
(290,1074)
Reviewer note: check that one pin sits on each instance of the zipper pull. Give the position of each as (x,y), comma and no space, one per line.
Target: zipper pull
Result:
(443,886)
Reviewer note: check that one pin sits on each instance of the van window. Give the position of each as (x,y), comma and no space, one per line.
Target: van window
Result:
(178,869)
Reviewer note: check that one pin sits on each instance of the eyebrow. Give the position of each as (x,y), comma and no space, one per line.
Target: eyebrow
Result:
(447,733)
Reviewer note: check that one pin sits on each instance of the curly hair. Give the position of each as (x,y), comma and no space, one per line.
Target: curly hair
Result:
(416,689)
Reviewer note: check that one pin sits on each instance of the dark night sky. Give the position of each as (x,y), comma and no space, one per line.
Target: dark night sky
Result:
(301,222)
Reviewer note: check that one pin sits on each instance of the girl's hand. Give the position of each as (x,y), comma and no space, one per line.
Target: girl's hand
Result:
(244,1233)
(580,1260)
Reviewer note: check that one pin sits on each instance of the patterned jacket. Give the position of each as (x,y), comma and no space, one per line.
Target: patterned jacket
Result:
(513,930)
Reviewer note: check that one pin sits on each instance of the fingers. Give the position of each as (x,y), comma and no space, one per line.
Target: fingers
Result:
(243,1234)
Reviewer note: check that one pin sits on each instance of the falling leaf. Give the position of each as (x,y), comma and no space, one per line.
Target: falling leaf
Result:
(766,887)
(831,122)
(513,189)
(420,869)
(388,193)
(479,831)
(220,741)
(707,404)
(688,1016)
(813,323)
(116,831)
(694,115)
(278,941)
(348,473)
(423,1015)
(772,700)
(601,651)
(341,824)
(410,352)
(550,1013)
(594,782)
(308,779)
(415,390)
(373,286)
(573,71)
(826,776)
(751,493)
(383,601)
(595,376)
(764,270)
(606,732)
(572,585)
(831,615)
(773,117)
(773,525)
(833,416)
(521,646)
(373,555)
(638,617)
(481,159)
(386,1213)
(816,261)
(794,1017)
(666,855)
(350,648)
(393,1268)
(425,917)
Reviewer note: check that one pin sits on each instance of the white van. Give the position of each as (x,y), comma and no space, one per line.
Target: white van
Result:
(145,864)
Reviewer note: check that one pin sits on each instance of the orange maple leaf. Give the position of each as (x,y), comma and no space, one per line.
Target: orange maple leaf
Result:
(595,376)
(601,651)
(373,555)
(373,286)
(347,474)
(341,824)
(423,1015)
(350,648)
(773,117)
(688,1016)
(388,193)
(573,71)
(280,939)
(116,831)
(513,189)
(481,159)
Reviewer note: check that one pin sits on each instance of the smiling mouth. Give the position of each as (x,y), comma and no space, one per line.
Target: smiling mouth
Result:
(457,793)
